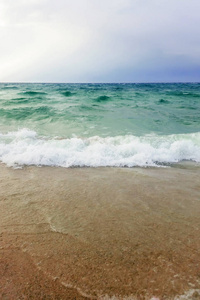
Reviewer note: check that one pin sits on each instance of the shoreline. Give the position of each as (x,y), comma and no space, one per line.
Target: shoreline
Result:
(84,233)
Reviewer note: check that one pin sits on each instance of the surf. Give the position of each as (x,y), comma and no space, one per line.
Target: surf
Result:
(26,147)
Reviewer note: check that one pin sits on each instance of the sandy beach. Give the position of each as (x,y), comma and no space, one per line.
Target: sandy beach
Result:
(99,233)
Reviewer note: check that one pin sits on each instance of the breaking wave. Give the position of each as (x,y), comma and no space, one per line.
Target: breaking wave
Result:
(25,147)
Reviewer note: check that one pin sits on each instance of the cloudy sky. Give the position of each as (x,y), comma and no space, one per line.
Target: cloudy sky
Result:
(99,40)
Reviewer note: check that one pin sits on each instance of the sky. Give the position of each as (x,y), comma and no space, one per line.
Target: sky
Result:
(99,40)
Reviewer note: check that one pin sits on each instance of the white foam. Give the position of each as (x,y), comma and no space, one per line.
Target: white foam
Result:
(25,147)
(189,295)
(193,294)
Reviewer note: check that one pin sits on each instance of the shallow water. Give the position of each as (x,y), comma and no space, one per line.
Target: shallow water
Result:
(119,232)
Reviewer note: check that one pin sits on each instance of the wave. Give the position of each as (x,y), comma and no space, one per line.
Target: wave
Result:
(185,94)
(163,101)
(67,93)
(102,98)
(22,113)
(9,87)
(25,147)
(32,93)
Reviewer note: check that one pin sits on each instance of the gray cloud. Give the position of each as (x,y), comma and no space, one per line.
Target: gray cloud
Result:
(92,40)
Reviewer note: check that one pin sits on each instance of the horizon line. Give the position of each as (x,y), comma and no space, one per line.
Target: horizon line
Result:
(98,82)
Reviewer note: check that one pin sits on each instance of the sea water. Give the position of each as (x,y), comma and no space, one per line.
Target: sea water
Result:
(123,125)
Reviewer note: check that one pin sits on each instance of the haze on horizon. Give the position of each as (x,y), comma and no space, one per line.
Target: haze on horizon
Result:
(99,41)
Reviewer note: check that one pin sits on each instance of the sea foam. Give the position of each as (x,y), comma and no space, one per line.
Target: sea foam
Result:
(25,147)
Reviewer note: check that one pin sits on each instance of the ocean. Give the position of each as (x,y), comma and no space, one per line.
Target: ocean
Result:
(100,189)
(94,125)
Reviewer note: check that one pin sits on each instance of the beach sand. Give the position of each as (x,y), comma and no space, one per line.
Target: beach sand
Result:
(96,233)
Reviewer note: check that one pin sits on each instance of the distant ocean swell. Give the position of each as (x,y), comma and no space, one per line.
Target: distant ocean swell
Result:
(25,147)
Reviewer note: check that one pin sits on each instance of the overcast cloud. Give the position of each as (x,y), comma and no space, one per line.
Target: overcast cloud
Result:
(99,40)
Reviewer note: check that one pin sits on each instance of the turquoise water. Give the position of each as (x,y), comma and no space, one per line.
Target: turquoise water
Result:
(71,119)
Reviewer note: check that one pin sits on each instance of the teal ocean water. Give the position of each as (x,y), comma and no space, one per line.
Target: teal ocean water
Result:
(99,124)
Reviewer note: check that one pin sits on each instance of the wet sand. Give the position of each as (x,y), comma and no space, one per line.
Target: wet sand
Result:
(89,233)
